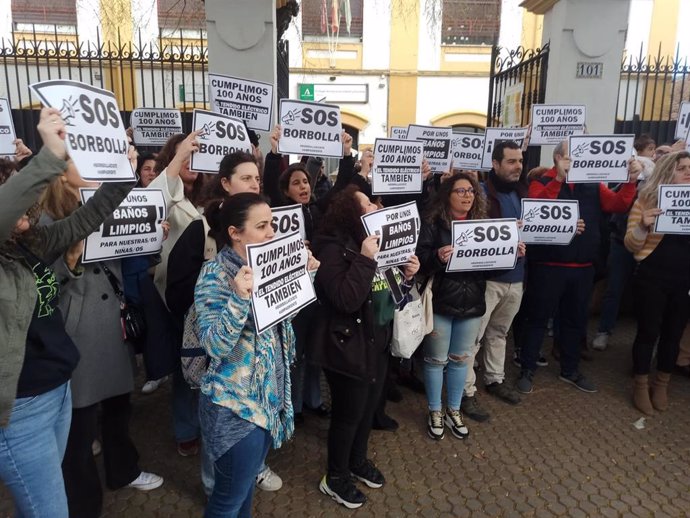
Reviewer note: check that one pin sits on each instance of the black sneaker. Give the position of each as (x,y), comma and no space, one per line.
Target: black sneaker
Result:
(579,381)
(471,408)
(456,424)
(343,491)
(369,474)
(503,392)
(524,382)
(385,423)
(434,425)
(542,361)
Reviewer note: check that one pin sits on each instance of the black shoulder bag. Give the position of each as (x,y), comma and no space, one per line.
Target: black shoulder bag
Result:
(131,317)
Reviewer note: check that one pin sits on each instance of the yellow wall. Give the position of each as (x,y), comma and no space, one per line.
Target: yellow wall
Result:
(116,25)
(402,86)
(532,27)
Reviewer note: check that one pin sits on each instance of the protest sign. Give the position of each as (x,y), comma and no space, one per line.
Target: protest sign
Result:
(674,201)
(467,150)
(398,132)
(397,167)
(282,285)
(7,134)
(287,220)
(599,158)
(96,139)
(494,136)
(220,135)
(134,228)
(683,122)
(398,228)
(154,126)
(484,244)
(244,99)
(553,123)
(549,222)
(311,129)
(436,145)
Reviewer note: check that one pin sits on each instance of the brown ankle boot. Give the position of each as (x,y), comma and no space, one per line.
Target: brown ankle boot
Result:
(641,394)
(660,390)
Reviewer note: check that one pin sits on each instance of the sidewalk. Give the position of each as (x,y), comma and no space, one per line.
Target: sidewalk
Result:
(560,453)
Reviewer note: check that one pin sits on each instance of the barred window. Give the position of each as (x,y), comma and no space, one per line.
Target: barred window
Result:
(471,22)
(46,16)
(318,19)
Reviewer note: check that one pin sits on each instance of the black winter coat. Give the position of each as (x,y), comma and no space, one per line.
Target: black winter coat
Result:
(459,295)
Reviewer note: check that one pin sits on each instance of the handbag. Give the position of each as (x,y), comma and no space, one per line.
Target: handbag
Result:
(409,327)
(427,301)
(132,318)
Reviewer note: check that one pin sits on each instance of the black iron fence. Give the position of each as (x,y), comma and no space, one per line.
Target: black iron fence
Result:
(650,94)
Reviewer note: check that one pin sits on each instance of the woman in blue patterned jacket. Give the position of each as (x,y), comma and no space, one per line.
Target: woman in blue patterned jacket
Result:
(244,405)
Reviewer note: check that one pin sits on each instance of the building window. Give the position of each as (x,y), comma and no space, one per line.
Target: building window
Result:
(471,22)
(54,16)
(175,15)
(321,18)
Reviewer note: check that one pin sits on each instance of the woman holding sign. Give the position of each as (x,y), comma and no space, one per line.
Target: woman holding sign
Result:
(458,300)
(350,340)
(661,284)
(244,405)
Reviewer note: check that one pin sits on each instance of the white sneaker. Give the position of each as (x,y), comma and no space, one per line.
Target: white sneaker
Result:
(152,385)
(434,425)
(146,481)
(600,342)
(268,480)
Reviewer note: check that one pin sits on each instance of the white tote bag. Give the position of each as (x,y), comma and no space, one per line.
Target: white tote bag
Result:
(409,327)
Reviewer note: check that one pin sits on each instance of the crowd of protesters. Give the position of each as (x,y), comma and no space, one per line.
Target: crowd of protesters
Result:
(67,373)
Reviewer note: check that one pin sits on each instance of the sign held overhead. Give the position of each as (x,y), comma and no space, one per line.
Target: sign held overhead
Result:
(245,99)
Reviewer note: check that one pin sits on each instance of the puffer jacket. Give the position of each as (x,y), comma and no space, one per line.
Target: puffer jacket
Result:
(455,294)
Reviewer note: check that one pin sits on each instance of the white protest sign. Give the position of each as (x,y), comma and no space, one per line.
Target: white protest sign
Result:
(549,222)
(599,158)
(134,228)
(436,145)
(282,285)
(495,136)
(553,123)
(220,135)
(467,150)
(7,134)
(96,139)
(683,122)
(484,244)
(287,220)
(674,201)
(248,100)
(311,129)
(398,228)
(397,167)
(154,126)
(399,132)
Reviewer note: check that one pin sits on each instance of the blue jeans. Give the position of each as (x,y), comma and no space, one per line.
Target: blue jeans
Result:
(448,346)
(235,473)
(31,452)
(185,408)
(621,267)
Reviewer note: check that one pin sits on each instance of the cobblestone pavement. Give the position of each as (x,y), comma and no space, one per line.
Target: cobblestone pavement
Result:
(560,453)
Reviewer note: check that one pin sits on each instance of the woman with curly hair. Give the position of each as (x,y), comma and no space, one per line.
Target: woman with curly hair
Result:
(458,303)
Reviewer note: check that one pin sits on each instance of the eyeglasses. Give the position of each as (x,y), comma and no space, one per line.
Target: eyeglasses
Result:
(461,191)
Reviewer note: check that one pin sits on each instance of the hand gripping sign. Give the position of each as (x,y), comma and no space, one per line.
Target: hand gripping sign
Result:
(398,228)
(311,129)
(436,145)
(134,228)
(282,285)
(287,220)
(397,167)
(220,135)
(549,222)
(96,139)
(599,158)
(553,123)
(467,150)
(248,100)
(494,136)
(674,201)
(154,126)
(7,134)
(484,244)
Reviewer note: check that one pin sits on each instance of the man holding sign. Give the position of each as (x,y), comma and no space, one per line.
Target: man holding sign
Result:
(561,277)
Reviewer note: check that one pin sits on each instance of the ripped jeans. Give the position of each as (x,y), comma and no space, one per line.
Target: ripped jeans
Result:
(448,347)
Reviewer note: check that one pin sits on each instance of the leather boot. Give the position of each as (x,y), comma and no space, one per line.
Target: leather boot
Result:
(660,390)
(641,398)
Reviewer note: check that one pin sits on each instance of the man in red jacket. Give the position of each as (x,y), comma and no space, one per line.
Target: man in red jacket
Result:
(561,277)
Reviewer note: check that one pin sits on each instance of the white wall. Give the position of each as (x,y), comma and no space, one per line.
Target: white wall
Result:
(145,19)
(88,20)
(6,23)
(639,24)
(429,48)
(442,95)
(376,35)
(682,33)
(294,37)
(510,35)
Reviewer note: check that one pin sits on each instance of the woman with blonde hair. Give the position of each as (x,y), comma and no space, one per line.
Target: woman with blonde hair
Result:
(661,284)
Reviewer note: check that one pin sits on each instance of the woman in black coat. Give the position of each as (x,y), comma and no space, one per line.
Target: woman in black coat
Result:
(352,331)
